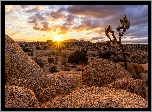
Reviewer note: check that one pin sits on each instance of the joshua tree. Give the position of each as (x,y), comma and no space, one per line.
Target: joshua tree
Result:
(125,24)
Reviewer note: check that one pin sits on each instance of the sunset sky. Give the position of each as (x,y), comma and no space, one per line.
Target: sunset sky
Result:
(47,22)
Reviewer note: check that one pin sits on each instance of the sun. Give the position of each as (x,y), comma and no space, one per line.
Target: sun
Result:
(57,38)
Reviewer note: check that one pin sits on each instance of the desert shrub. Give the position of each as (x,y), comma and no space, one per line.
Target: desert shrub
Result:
(64,55)
(105,55)
(78,56)
(50,60)
(39,62)
(53,69)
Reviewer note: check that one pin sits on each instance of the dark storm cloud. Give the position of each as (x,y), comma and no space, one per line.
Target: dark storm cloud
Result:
(45,26)
(96,11)
(69,20)
(95,18)
(88,24)
(138,15)
(35,18)
(111,15)
(39,22)
(58,14)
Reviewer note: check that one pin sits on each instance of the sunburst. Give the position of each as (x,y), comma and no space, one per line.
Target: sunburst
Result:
(58,39)
(58,45)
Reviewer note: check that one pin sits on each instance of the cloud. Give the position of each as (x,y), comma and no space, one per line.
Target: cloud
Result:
(136,40)
(35,9)
(57,14)
(39,22)
(45,26)
(8,8)
(69,20)
(35,18)
(97,38)
(88,20)
(63,29)
(24,6)
(96,11)
(88,24)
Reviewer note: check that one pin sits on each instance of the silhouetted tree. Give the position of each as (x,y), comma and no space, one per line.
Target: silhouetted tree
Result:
(125,24)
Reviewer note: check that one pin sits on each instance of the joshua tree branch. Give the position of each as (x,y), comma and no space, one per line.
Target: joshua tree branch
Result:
(125,25)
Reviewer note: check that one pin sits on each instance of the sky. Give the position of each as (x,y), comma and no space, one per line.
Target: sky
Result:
(88,22)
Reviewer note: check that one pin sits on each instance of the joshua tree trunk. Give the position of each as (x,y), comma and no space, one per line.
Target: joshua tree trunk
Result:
(124,56)
(125,24)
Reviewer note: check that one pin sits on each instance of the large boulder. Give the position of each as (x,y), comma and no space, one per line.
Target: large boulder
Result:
(137,86)
(20,65)
(60,84)
(20,97)
(26,84)
(98,97)
(101,72)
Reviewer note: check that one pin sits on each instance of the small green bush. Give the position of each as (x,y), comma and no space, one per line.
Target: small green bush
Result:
(7,59)
(121,63)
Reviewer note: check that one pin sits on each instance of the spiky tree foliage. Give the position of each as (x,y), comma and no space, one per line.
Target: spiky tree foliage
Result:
(125,24)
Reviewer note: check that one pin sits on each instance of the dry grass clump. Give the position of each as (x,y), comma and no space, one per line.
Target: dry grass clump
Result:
(137,86)
(59,83)
(26,84)
(101,72)
(134,69)
(138,68)
(20,97)
(131,69)
(98,97)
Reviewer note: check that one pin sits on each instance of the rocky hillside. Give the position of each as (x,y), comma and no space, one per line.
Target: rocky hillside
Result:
(99,86)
